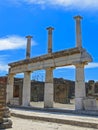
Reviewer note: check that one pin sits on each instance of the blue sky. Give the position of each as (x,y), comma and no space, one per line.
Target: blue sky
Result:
(19,18)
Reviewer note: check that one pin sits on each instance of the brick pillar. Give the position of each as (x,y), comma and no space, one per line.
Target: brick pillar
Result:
(4,111)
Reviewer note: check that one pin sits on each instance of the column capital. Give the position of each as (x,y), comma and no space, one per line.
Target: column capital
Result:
(27,72)
(51,68)
(11,74)
(28,36)
(78,17)
(50,28)
(80,64)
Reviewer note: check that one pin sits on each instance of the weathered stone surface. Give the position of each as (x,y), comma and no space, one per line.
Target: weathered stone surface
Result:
(4,112)
(90,103)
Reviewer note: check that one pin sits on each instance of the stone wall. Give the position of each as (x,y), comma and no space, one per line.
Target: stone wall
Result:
(63,89)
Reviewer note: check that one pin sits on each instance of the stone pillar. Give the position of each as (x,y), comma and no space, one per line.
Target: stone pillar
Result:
(10,85)
(80,92)
(28,49)
(50,39)
(49,89)
(78,31)
(26,89)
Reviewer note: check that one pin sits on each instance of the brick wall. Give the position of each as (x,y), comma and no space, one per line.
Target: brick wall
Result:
(2,96)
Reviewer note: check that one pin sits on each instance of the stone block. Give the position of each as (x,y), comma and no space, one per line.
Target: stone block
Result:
(78,103)
(90,103)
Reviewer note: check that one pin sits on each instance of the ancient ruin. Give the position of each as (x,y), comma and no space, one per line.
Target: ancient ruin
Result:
(76,56)
(5,122)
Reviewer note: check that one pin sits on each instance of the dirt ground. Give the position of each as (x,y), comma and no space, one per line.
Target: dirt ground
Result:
(70,106)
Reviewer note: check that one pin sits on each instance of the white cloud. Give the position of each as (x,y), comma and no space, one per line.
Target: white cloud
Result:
(66,67)
(92,65)
(89,66)
(13,42)
(4,67)
(76,4)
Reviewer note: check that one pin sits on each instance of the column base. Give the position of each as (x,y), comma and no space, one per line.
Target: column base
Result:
(48,95)
(79,104)
(90,103)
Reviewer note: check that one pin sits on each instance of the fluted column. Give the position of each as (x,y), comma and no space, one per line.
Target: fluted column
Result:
(80,92)
(26,94)
(49,89)
(78,31)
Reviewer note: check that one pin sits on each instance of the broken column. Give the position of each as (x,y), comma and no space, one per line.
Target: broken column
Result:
(28,47)
(78,31)
(26,89)
(49,89)
(80,92)
(10,84)
(50,29)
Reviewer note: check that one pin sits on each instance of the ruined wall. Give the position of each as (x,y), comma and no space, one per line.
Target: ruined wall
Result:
(2,98)
(63,89)
(4,111)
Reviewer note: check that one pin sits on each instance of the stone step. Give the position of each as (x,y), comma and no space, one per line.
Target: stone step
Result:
(63,118)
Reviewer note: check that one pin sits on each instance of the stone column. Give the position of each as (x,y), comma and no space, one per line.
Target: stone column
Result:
(28,49)
(49,89)
(50,39)
(26,89)
(80,92)
(10,85)
(78,31)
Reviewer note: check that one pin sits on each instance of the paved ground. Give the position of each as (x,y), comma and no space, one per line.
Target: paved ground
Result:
(24,124)
(54,115)
(35,120)
(70,106)
(30,124)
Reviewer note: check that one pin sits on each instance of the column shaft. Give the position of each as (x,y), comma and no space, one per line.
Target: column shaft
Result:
(80,92)
(50,29)
(10,85)
(48,90)
(26,89)
(78,31)
(28,49)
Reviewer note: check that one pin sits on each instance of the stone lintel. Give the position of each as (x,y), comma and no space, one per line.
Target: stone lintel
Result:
(68,52)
